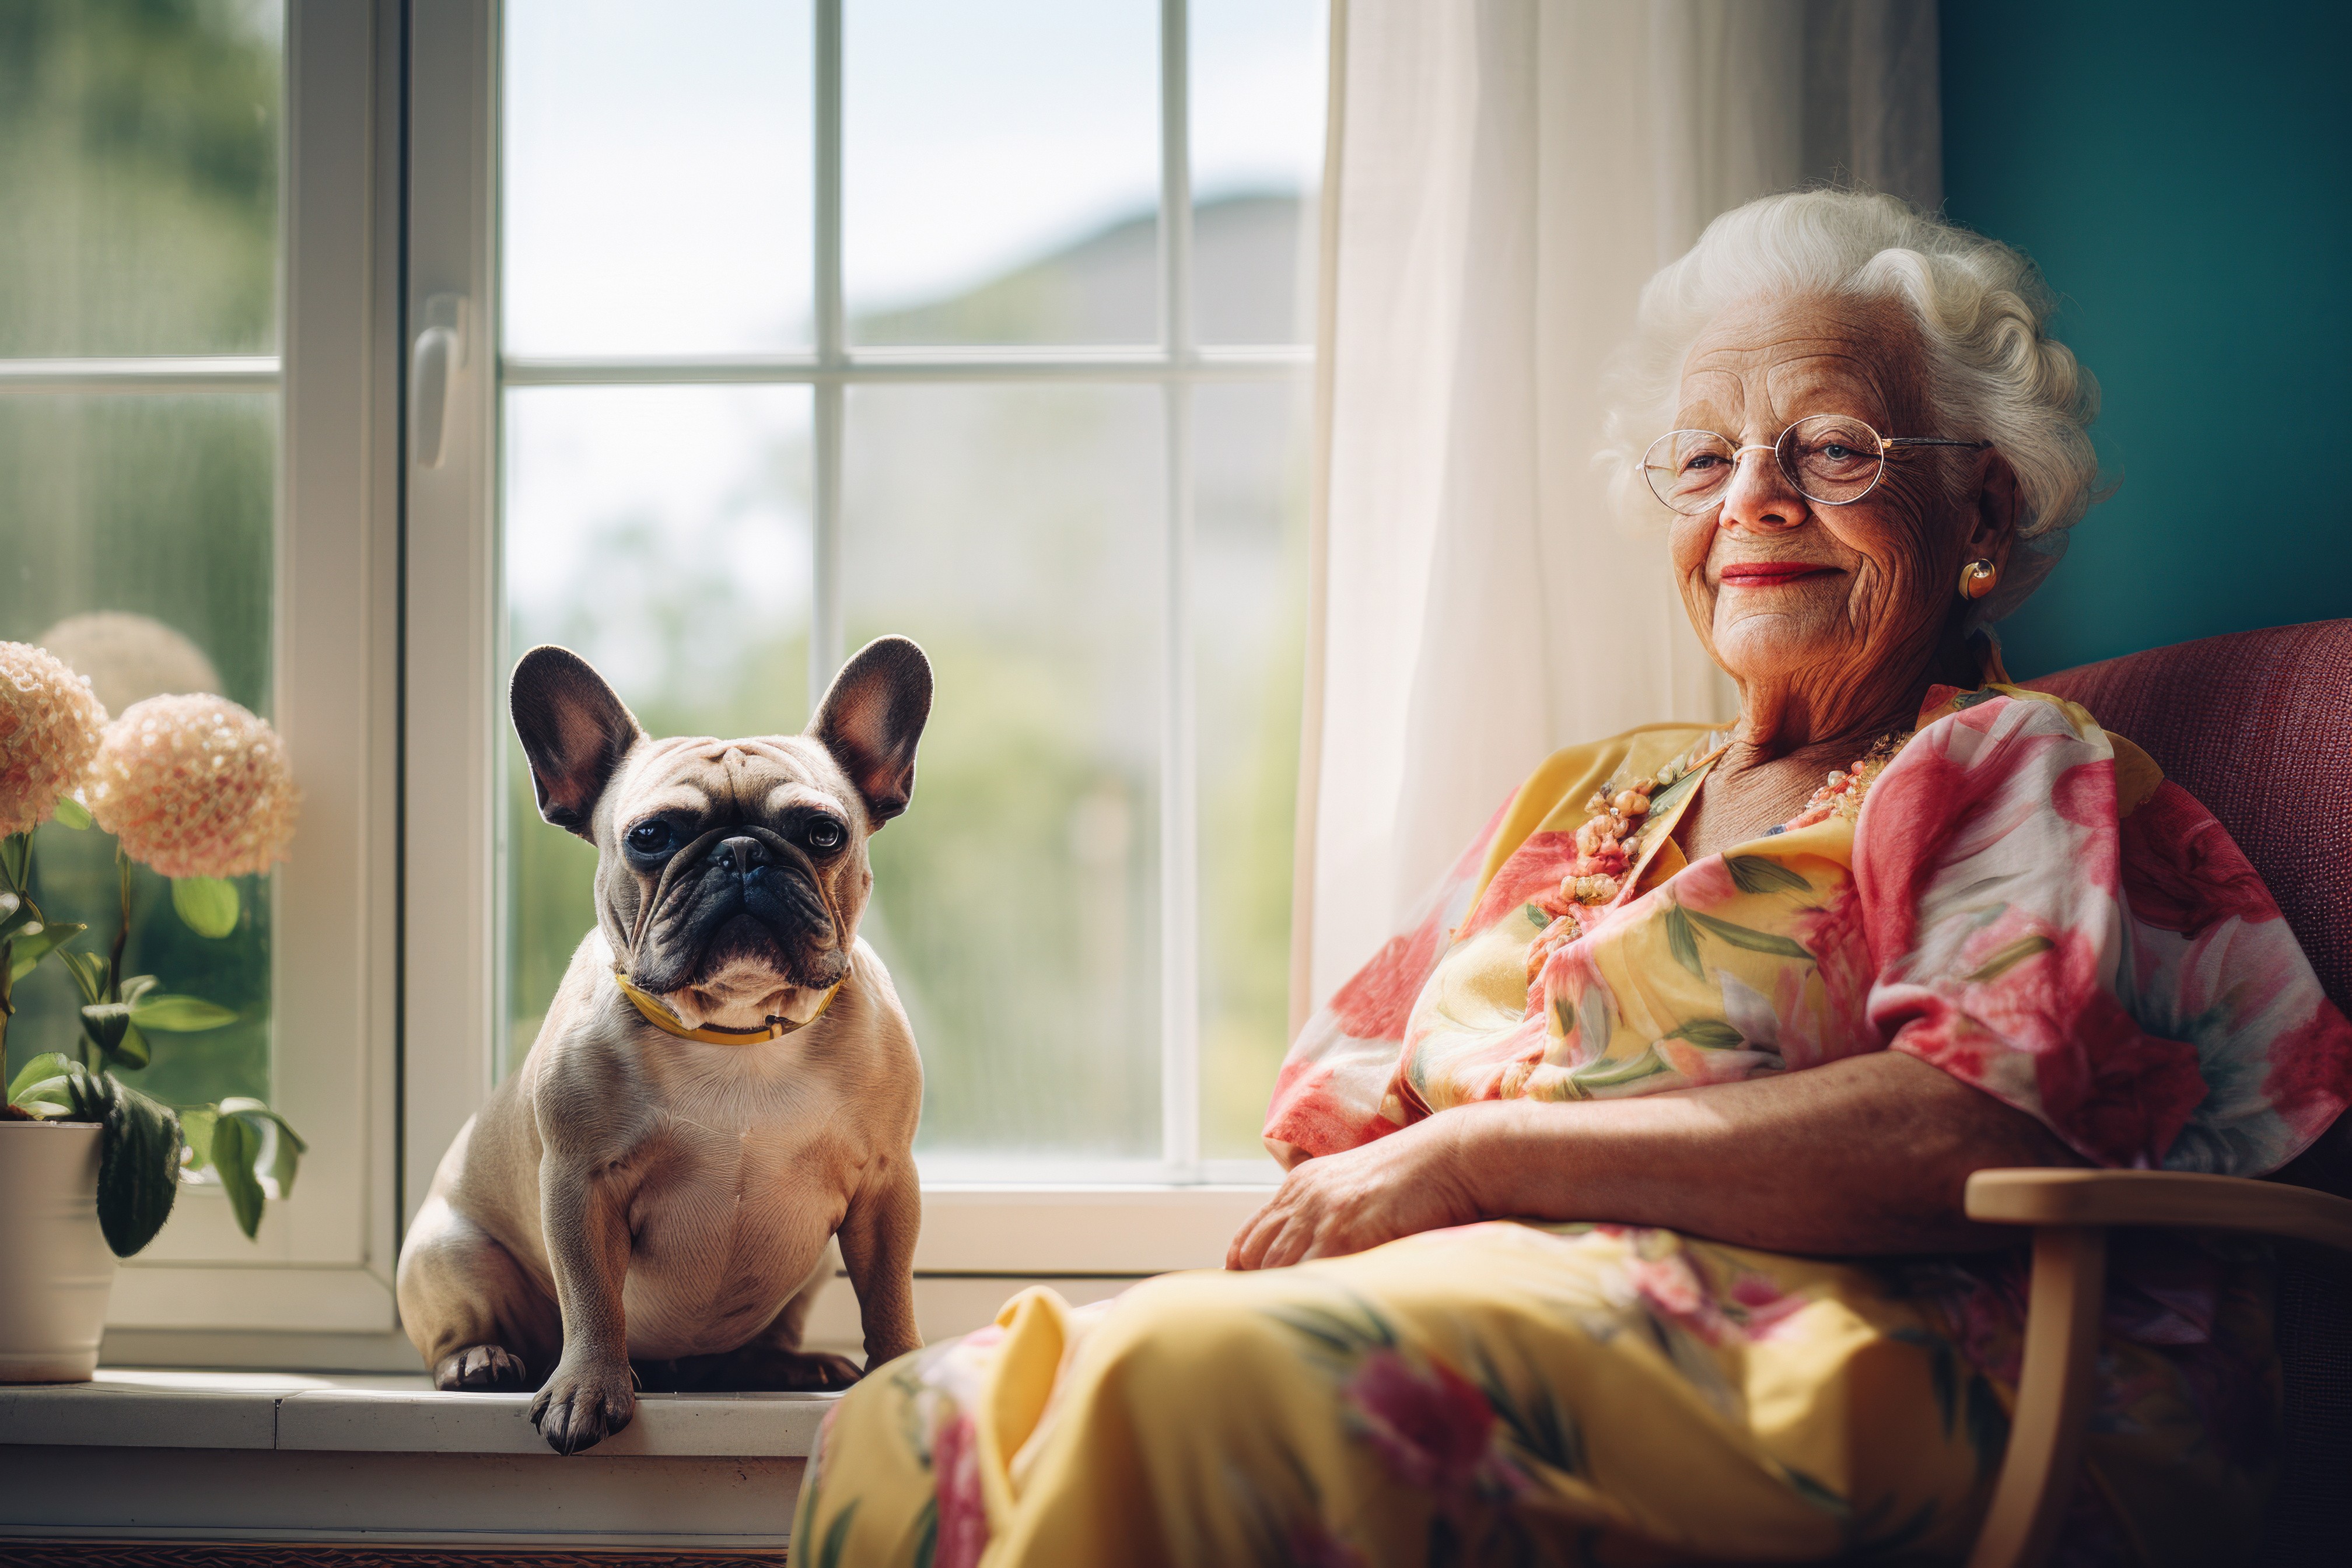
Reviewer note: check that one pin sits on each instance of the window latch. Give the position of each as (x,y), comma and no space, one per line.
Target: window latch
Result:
(439,350)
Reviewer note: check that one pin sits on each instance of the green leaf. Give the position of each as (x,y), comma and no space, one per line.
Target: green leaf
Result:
(1329,1329)
(109,1026)
(234,1145)
(72,814)
(42,1082)
(1664,799)
(1709,1035)
(197,1136)
(1683,942)
(89,971)
(35,941)
(2009,957)
(1813,1492)
(287,1157)
(1538,1424)
(287,1160)
(104,1022)
(927,1532)
(179,1015)
(17,858)
(206,905)
(1758,874)
(138,1161)
(1536,917)
(836,1540)
(1612,1074)
(1753,941)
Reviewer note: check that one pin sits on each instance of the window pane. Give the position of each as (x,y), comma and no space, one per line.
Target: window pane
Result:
(1015,534)
(1001,171)
(1258,80)
(1250,479)
(663,534)
(658,176)
(139,178)
(140,549)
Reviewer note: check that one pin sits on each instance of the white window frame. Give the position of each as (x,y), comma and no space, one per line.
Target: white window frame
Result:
(1173,1212)
(323,1259)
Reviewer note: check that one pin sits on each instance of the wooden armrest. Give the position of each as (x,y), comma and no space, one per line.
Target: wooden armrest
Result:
(2072,1198)
(2071,1211)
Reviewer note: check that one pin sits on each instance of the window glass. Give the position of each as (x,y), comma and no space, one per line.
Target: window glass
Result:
(139,164)
(1015,534)
(662,534)
(139,178)
(1257,77)
(1000,189)
(1002,171)
(1249,564)
(659,176)
(140,544)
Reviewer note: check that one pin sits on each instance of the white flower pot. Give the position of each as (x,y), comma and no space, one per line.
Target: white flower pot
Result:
(56,1269)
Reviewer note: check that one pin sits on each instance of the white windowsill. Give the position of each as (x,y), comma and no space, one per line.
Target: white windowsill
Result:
(358,1456)
(341,1412)
(282,1456)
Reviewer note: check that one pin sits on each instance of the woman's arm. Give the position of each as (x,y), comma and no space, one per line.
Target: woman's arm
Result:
(1865,1155)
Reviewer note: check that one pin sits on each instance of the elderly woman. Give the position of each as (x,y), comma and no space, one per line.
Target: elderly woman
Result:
(1702,1022)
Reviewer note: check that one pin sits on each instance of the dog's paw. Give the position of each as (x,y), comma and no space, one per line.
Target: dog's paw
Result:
(582,1405)
(481,1369)
(818,1372)
(768,1370)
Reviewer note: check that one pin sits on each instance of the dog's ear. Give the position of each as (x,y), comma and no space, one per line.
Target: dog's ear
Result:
(575,730)
(871,718)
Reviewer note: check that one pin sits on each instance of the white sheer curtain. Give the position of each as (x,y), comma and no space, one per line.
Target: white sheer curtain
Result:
(1506,174)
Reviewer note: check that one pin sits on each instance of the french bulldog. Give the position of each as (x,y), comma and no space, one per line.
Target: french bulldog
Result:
(725,1084)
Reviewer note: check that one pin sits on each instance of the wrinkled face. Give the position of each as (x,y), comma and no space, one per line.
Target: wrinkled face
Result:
(732,868)
(1830,597)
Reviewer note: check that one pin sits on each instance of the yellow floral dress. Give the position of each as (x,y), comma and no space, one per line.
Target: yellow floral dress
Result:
(2010,894)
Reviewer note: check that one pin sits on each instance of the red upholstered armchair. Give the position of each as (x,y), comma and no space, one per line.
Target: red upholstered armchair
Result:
(2244,723)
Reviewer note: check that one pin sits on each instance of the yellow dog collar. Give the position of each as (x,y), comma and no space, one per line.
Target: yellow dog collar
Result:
(662,1018)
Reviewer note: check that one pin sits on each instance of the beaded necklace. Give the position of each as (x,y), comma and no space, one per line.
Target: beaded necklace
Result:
(1621,819)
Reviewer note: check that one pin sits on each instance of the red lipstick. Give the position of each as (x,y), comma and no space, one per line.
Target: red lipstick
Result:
(1770,574)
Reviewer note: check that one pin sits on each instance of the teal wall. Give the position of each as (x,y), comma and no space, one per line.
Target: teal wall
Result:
(2183,174)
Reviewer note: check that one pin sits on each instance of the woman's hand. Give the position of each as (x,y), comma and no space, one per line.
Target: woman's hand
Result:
(1423,1178)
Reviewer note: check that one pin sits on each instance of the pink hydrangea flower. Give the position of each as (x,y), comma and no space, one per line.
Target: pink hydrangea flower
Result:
(50,724)
(129,657)
(194,786)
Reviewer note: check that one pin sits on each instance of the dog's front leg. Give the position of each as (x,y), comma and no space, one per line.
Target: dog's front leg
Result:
(877,1251)
(591,1393)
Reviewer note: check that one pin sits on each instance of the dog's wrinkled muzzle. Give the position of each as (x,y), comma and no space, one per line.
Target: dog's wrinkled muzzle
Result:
(697,915)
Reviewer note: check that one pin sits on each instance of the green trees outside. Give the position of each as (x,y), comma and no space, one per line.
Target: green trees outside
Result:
(139,155)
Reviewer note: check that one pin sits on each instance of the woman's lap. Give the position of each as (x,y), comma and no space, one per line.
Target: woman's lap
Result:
(1496,1393)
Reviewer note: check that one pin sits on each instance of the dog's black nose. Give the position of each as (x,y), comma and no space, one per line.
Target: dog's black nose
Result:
(739,855)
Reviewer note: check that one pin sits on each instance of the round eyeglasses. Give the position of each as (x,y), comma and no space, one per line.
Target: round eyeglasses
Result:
(1833,459)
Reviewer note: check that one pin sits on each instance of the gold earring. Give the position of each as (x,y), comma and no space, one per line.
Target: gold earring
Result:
(1977,579)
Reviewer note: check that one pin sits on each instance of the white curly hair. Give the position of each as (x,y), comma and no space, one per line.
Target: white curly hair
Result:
(1994,373)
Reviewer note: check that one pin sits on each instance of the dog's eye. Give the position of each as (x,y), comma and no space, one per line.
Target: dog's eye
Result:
(650,837)
(823,832)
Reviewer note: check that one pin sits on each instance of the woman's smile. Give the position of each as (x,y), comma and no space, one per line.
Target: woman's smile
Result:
(1772,574)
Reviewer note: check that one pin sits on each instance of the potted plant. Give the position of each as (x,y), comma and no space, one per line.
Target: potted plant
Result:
(196,788)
